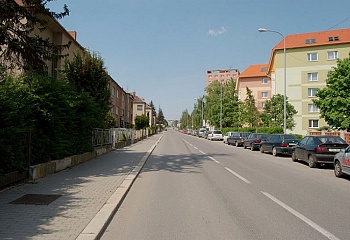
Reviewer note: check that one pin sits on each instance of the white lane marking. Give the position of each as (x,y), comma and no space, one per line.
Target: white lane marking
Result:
(302,217)
(201,152)
(214,159)
(237,175)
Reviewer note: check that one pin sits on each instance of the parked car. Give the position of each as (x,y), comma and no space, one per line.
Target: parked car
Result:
(342,162)
(206,134)
(226,136)
(201,132)
(253,140)
(237,138)
(215,135)
(278,144)
(318,149)
(195,133)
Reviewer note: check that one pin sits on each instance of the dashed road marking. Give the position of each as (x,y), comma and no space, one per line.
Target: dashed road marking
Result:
(237,175)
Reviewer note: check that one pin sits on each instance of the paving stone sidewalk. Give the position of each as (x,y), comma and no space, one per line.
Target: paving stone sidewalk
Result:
(82,191)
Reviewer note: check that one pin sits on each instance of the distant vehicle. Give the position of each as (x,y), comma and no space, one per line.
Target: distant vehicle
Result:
(342,162)
(253,140)
(202,132)
(195,133)
(215,135)
(226,136)
(318,149)
(189,131)
(237,138)
(279,144)
(206,134)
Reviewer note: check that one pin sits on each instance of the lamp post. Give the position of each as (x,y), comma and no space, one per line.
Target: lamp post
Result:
(285,78)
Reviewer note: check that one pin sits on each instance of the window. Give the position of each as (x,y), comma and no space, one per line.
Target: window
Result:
(312,57)
(332,55)
(139,107)
(313,123)
(263,104)
(313,108)
(331,39)
(311,92)
(264,69)
(312,77)
(311,40)
(221,75)
(216,76)
(117,93)
(264,80)
(264,94)
(210,76)
(113,91)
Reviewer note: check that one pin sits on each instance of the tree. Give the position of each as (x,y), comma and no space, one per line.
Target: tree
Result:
(273,115)
(249,111)
(154,112)
(20,48)
(87,73)
(184,120)
(160,118)
(141,122)
(333,100)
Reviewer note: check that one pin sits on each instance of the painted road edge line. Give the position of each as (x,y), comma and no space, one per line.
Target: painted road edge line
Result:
(302,217)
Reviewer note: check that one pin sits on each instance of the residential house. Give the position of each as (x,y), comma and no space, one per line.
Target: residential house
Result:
(309,58)
(255,78)
(56,33)
(139,107)
(222,76)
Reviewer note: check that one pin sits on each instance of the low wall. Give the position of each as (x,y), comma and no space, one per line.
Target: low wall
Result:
(45,169)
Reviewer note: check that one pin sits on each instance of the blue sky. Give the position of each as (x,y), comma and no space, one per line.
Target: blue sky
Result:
(161,49)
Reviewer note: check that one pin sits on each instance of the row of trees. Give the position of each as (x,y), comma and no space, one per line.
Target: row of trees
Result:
(222,108)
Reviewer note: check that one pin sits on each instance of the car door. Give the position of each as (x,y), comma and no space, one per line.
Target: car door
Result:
(345,161)
(300,148)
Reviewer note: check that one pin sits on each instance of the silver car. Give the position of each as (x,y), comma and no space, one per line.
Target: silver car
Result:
(215,135)
(342,162)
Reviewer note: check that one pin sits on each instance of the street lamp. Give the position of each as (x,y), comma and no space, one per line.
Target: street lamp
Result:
(285,78)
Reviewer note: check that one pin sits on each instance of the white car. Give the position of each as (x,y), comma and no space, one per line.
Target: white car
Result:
(227,135)
(342,162)
(215,135)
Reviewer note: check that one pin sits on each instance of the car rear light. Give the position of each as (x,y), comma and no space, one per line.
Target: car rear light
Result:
(257,140)
(284,145)
(321,149)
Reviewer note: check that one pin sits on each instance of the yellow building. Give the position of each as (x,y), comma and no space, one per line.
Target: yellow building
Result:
(309,58)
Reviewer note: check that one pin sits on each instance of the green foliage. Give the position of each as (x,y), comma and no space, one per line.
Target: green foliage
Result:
(273,114)
(160,117)
(333,100)
(185,120)
(58,117)
(249,111)
(20,48)
(87,74)
(141,122)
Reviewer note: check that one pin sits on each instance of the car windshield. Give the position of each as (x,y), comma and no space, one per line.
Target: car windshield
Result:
(330,140)
(245,134)
(217,132)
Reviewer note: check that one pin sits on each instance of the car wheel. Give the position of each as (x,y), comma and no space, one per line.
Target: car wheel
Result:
(312,161)
(337,169)
(274,152)
(251,147)
(237,144)
(294,158)
(244,146)
(261,149)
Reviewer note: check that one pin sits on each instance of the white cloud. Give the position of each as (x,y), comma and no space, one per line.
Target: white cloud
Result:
(220,31)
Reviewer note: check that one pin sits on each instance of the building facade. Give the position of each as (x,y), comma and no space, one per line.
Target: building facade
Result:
(309,58)
(221,76)
(254,78)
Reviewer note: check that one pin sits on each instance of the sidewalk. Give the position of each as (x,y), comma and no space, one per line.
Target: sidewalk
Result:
(83,198)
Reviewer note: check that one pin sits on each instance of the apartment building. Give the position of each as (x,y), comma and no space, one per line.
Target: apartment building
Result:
(309,57)
(222,76)
(255,78)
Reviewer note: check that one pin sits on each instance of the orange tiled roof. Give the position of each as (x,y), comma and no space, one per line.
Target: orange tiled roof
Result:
(255,71)
(138,99)
(315,39)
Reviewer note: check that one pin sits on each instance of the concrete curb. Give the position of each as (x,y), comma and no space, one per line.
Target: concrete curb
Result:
(99,223)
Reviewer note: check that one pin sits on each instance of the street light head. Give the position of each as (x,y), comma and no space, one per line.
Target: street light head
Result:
(262,30)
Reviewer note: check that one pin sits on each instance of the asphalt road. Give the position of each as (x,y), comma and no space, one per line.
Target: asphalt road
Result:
(192,188)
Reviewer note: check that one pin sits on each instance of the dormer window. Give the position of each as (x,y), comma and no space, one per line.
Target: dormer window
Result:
(331,39)
(310,41)
(264,69)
